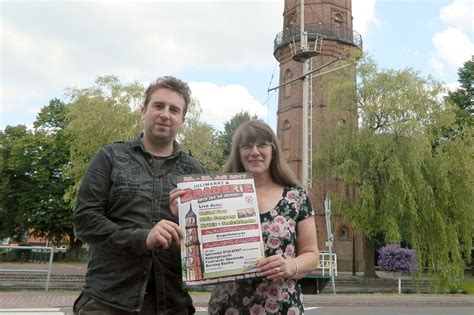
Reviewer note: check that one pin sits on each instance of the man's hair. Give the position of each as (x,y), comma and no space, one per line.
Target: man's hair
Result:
(170,83)
(254,131)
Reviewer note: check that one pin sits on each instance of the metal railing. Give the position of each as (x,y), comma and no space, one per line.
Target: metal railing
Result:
(314,30)
(34,249)
(326,265)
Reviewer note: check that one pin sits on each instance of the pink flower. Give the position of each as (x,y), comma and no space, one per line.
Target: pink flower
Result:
(285,297)
(298,206)
(257,310)
(272,306)
(231,311)
(293,311)
(231,288)
(279,282)
(291,225)
(262,289)
(291,286)
(218,293)
(280,219)
(225,298)
(290,251)
(246,301)
(273,213)
(273,242)
(274,292)
(291,196)
(276,229)
(213,307)
(287,235)
(266,227)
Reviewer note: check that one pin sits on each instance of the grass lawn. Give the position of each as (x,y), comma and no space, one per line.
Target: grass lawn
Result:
(467,287)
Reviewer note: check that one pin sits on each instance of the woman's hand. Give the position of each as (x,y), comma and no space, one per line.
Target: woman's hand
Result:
(276,266)
(174,195)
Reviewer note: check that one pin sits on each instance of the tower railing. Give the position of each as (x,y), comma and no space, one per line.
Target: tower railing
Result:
(331,32)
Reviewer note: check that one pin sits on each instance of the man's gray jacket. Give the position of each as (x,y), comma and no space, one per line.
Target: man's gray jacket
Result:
(122,196)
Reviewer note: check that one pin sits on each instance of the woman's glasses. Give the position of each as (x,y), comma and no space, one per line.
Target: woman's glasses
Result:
(247,147)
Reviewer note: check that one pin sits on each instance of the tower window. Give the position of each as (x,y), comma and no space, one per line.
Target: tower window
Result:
(338,18)
(287,88)
(343,233)
(291,22)
(286,124)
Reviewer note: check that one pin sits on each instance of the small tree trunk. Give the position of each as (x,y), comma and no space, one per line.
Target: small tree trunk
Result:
(75,246)
(369,258)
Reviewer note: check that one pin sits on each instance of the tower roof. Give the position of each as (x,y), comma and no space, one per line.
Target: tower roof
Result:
(190,212)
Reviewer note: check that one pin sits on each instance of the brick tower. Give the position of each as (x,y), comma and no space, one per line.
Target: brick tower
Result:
(193,252)
(328,33)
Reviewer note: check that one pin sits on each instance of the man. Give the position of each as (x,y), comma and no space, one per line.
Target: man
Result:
(123,212)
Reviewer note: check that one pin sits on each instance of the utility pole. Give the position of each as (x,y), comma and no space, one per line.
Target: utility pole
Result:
(329,243)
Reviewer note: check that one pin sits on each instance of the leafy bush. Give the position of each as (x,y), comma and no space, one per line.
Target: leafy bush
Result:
(394,258)
(7,256)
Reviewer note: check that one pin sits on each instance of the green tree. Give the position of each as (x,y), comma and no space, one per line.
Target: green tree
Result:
(15,181)
(463,97)
(33,181)
(200,139)
(103,113)
(407,189)
(225,137)
(54,218)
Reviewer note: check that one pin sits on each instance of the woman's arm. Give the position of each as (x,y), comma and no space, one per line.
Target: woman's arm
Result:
(307,253)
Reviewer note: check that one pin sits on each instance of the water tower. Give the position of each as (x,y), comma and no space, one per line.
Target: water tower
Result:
(315,34)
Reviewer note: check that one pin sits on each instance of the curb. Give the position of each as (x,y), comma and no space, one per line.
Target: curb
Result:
(65,299)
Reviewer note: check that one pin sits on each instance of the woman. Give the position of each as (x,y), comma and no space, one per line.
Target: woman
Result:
(288,229)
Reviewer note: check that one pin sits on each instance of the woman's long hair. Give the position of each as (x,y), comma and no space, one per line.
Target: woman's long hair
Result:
(254,131)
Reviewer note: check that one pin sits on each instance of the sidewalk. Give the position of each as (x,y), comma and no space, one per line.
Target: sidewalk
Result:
(57,268)
(65,299)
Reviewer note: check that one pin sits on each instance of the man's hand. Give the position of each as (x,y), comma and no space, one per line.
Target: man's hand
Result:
(174,195)
(163,233)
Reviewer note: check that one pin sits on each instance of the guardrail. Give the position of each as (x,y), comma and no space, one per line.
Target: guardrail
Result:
(329,31)
(327,264)
(34,249)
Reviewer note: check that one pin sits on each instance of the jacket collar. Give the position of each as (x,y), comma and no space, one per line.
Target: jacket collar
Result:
(137,144)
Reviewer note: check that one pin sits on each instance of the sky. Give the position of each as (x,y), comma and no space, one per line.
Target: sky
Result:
(223,49)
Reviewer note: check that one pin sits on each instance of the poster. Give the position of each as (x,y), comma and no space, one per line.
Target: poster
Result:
(221,222)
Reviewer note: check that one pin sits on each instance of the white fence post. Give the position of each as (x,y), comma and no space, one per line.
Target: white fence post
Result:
(47,271)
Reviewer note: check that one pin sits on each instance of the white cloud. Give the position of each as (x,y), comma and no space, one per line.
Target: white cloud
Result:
(220,103)
(453,86)
(436,65)
(47,46)
(459,14)
(18,100)
(364,15)
(453,46)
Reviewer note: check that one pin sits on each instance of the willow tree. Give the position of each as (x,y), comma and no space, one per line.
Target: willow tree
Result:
(408,189)
(106,112)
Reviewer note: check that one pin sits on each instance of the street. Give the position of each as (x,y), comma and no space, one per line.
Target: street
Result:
(404,310)
(415,310)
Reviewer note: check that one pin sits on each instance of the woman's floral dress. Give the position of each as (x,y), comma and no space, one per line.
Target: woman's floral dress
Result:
(263,296)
